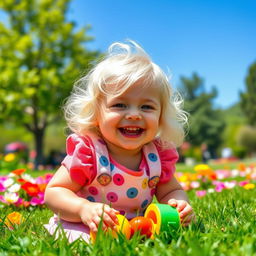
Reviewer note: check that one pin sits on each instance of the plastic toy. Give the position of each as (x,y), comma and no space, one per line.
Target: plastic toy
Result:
(145,226)
(157,218)
(123,227)
(164,216)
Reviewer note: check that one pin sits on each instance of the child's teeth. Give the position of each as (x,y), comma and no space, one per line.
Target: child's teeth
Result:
(132,129)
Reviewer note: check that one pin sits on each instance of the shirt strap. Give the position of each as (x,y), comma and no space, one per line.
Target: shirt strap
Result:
(102,159)
(154,164)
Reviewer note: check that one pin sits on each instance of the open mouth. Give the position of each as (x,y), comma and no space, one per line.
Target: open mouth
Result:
(131,131)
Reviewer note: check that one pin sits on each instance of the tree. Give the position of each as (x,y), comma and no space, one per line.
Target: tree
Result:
(41,55)
(248,98)
(206,124)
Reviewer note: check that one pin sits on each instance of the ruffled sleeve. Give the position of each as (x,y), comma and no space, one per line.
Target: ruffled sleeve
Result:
(80,159)
(168,158)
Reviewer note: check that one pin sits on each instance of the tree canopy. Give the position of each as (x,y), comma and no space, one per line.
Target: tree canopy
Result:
(41,55)
(206,124)
(248,98)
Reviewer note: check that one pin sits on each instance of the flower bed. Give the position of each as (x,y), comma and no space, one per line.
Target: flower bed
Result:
(206,180)
(22,190)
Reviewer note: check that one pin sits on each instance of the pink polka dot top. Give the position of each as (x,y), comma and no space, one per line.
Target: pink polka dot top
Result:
(104,180)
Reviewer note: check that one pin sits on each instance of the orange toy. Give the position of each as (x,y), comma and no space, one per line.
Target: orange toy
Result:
(123,227)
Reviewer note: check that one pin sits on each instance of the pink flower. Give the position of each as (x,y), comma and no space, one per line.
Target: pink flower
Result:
(2,187)
(194,184)
(222,174)
(200,193)
(37,200)
(242,183)
(2,199)
(219,187)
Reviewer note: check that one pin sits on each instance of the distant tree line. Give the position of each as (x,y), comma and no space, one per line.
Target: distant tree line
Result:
(41,55)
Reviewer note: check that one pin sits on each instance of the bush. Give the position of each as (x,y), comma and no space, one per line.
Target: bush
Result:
(247,138)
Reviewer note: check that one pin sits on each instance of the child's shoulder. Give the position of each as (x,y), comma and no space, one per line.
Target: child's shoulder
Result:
(75,141)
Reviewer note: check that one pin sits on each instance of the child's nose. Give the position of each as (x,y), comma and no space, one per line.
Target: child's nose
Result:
(133,115)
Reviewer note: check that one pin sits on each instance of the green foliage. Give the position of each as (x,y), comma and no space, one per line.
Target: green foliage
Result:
(247,138)
(206,123)
(41,55)
(234,119)
(248,98)
(225,226)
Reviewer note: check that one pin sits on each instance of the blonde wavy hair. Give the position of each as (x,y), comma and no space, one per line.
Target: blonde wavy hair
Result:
(123,66)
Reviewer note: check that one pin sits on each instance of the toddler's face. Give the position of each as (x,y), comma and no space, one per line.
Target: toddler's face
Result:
(130,120)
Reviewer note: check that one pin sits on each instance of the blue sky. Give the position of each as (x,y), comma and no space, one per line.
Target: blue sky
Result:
(216,39)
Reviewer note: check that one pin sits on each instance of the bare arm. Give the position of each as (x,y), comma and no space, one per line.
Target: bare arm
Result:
(172,193)
(170,190)
(60,196)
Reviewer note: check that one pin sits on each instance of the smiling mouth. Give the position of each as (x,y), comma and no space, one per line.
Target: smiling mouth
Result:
(131,131)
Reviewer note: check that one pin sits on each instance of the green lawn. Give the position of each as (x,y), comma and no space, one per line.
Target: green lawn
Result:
(226,224)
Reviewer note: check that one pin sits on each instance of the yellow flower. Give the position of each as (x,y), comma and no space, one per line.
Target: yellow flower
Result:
(183,178)
(9,157)
(14,218)
(201,167)
(249,186)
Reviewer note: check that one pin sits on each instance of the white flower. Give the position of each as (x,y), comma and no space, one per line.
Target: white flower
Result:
(210,190)
(11,197)
(14,188)
(195,184)
(7,183)
(28,177)
(234,173)
(230,184)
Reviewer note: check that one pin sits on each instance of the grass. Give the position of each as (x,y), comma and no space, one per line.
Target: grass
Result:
(225,226)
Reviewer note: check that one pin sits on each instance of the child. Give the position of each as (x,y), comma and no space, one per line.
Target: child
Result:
(126,126)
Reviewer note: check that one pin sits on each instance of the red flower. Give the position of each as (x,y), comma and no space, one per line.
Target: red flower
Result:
(31,189)
(21,180)
(18,172)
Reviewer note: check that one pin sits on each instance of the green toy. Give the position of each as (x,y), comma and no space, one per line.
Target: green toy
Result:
(164,216)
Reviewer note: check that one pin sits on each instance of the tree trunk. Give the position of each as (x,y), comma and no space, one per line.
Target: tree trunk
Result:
(39,145)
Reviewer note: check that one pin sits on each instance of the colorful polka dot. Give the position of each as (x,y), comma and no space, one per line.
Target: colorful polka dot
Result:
(90,198)
(144,204)
(104,161)
(118,179)
(152,157)
(111,167)
(104,179)
(145,183)
(153,181)
(112,197)
(132,192)
(93,190)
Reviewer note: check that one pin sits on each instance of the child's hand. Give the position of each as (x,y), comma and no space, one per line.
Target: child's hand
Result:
(185,210)
(92,213)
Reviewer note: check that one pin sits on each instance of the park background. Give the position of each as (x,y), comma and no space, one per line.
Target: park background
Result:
(207,48)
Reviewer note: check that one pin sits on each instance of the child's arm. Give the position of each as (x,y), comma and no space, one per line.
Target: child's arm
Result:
(60,196)
(172,193)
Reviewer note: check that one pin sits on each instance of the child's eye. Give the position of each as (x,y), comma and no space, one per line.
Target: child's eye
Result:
(119,105)
(147,107)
